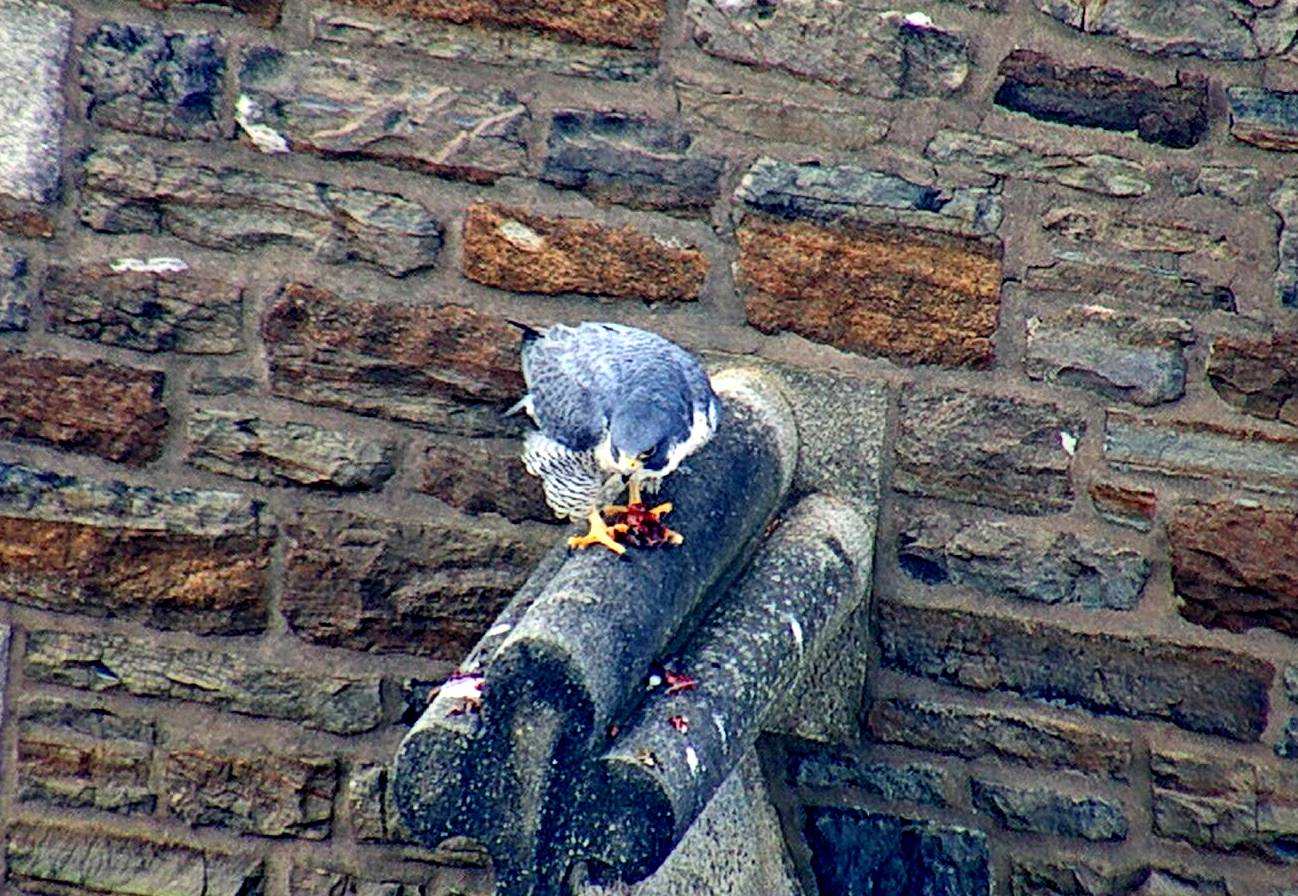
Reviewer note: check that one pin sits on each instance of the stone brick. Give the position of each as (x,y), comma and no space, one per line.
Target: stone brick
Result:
(1286,746)
(977,732)
(1284,200)
(366,797)
(265,792)
(1121,356)
(331,701)
(1201,450)
(1123,503)
(94,407)
(1225,803)
(1099,97)
(88,720)
(483,476)
(914,782)
(132,552)
(1042,810)
(1076,877)
(153,305)
(24,220)
(1104,278)
(886,55)
(512,248)
(15,290)
(274,453)
(630,160)
(147,80)
(34,39)
(866,852)
(1226,568)
(1023,562)
(1201,689)
(1265,118)
(1092,172)
(1258,376)
(1108,233)
(311,881)
(913,296)
(348,109)
(1237,185)
(429,587)
(261,12)
(448,367)
(86,860)
(985,449)
(126,189)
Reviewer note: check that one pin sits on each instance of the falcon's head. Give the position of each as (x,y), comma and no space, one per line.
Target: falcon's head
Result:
(644,437)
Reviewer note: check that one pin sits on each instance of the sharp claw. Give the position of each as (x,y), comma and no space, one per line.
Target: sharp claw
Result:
(662,509)
(600,533)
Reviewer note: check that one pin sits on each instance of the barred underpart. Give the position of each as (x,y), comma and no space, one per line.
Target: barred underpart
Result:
(573,482)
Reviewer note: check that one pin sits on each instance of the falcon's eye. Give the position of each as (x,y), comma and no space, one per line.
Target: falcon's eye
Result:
(645,455)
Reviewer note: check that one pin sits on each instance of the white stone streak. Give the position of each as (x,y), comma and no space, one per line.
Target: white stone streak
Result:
(160,265)
(265,138)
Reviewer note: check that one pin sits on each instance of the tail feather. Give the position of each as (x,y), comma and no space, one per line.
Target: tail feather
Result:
(530,333)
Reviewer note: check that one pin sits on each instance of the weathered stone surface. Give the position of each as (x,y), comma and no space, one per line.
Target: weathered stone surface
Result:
(1046,811)
(273,453)
(977,732)
(1025,562)
(209,382)
(427,587)
(1201,450)
(913,296)
(630,160)
(483,476)
(863,853)
(1265,118)
(95,407)
(1284,200)
(366,796)
(265,793)
(1096,277)
(1225,803)
(348,109)
(330,701)
(153,305)
(914,782)
(15,290)
(850,194)
(1237,185)
(261,12)
(147,80)
(311,881)
(725,105)
(1121,356)
(128,190)
(448,367)
(84,758)
(1092,172)
(986,449)
(512,248)
(191,560)
(1258,376)
(1076,877)
(882,54)
(33,50)
(1123,503)
(1229,568)
(1202,689)
(85,860)
(1286,747)
(1106,231)
(1109,98)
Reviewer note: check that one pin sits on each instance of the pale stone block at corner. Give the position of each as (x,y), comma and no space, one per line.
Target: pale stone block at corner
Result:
(33,51)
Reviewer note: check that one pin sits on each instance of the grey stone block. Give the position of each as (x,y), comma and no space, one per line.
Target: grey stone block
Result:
(1045,811)
(15,290)
(33,51)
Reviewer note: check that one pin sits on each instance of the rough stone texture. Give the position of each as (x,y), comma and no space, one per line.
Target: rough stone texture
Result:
(725,105)
(428,587)
(144,79)
(855,852)
(910,295)
(83,758)
(33,50)
(1258,376)
(1284,200)
(1109,232)
(1092,172)
(366,796)
(1237,185)
(305,880)
(985,449)
(448,367)
(1072,877)
(1201,450)
(266,793)
(94,407)
(882,54)
(274,453)
(261,12)
(126,189)
(165,307)
(77,860)
(1124,281)
(978,732)
(483,476)
(914,782)
(348,109)
(1099,97)
(630,160)
(1121,356)
(1202,689)
(833,195)
(15,290)
(1124,503)
(1229,569)
(328,701)
(1045,811)
(107,549)
(1265,118)
(1225,803)
(1286,747)
(512,248)
(1025,562)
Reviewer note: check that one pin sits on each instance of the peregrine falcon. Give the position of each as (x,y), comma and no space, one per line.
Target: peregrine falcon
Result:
(616,407)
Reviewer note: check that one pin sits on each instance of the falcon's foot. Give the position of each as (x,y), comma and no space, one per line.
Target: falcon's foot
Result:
(643,526)
(600,533)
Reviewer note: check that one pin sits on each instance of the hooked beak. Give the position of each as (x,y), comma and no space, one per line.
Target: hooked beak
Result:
(630,464)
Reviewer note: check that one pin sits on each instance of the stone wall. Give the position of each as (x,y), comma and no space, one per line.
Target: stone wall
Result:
(256,493)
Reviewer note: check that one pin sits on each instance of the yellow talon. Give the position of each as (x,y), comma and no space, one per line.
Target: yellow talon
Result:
(600,533)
